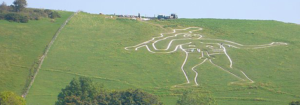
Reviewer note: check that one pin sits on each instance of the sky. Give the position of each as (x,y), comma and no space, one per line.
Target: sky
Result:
(280,10)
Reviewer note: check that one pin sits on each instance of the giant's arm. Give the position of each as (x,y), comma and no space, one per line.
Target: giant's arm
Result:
(172,46)
(174,40)
(273,44)
(241,46)
(166,44)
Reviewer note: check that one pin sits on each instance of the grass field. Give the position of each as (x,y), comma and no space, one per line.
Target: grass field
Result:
(274,69)
(21,46)
(93,46)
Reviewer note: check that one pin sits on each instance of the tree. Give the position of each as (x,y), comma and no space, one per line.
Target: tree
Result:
(295,103)
(83,91)
(10,98)
(3,7)
(80,91)
(194,97)
(132,97)
(19,5)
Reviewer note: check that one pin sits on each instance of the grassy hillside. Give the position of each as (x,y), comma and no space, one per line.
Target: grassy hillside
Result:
(93,46)
(274,69)
(21,46)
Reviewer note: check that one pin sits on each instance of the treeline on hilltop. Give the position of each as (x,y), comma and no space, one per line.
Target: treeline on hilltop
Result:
(18,12)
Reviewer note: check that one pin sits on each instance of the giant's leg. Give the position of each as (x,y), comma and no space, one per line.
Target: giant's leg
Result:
(194,69)
(191,61)
(223,63)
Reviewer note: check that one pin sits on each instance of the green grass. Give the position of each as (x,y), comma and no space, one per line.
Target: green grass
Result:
(93,46)
(21,46)
(274,69)
(97,51)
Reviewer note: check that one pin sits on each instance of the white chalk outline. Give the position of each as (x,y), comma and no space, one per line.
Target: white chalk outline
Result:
(186,57)
(187,36)
(224,50)
(195,79)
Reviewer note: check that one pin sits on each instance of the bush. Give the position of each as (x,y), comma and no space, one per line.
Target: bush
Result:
(132,97)
(38,11)
(47,11)
(2,16)
(193,97)
(10,98)
(24,19)
(34,16)
(83,91)
(13,17)
(29,14)
(16,17)
(54,15)
(18,13)
(295,103)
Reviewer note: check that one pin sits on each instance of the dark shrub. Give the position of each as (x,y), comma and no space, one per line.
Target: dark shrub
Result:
(48,11)
(54,15)
(12,17)
(38,10)
(16,17)
(18,12)
(39,13)
(295,103)
(24,19)
(2,16)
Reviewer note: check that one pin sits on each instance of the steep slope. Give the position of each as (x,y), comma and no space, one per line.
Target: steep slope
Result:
(21,47)
(93,46)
